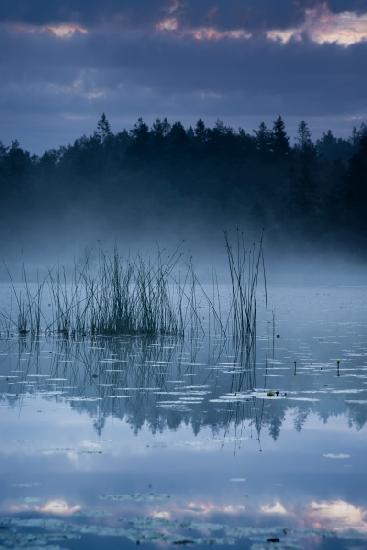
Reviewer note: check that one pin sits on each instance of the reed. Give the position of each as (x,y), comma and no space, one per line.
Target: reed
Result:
(28,302)
(137,296)
(245,265)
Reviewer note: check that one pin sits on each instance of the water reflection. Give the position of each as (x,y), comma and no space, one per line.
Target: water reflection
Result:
(118,441)
(167,383)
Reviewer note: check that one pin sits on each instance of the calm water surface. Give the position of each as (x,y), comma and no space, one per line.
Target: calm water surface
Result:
(111,443)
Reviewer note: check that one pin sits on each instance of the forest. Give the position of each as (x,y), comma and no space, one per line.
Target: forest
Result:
(315,191)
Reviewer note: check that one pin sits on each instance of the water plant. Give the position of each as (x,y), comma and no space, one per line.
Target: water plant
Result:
(113,295)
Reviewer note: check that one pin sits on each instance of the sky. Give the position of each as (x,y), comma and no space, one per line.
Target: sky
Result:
(64,62)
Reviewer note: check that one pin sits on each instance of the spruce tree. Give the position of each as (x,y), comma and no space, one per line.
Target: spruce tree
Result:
(103,128)
(280,139)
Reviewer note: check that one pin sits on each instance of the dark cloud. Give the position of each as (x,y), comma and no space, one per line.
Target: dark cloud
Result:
(249,14)
(298,72)
(81,11)
(224,14)
(358,6)
(53,89)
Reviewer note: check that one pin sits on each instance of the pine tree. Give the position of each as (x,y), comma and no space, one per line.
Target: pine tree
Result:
(140,142)
(280,139)
(161,129)
(304,140)
(103,128)
(304,143)
(357,188)
(306,185)
(263,140)
(200,131)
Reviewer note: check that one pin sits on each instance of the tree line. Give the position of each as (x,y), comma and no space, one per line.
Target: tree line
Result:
(311,189)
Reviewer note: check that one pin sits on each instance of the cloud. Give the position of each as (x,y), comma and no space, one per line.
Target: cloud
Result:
(57,507)
(339,515)
(276,509)
(323,26)
(336,6)
(61,30)
(252,75)
(84,12)
(222,14)
(210,508)
(63,63)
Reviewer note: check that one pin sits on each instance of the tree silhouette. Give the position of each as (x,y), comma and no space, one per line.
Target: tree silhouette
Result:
(103,128)
(200,132)
(264,140)
(305,189)
(226,176)
(357,188)
(280,139)
(304,140)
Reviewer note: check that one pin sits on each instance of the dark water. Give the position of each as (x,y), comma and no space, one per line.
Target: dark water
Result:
(112,443)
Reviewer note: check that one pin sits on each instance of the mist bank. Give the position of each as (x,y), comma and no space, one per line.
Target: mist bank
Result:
(170,184)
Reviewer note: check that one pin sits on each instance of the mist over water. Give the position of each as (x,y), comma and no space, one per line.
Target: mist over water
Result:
(160,385)
(168,183)
(183,274)
(132,439)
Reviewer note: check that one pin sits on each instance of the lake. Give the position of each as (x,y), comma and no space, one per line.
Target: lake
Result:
(168,442)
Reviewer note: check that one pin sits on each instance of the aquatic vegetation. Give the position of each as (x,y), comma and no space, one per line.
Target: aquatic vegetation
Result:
(138,296)
(244,267)
(133,439)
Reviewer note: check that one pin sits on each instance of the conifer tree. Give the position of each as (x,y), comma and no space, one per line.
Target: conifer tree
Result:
(103,128)
(280,139)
